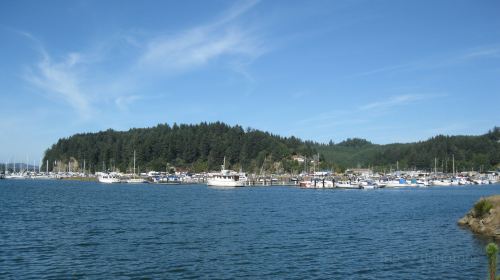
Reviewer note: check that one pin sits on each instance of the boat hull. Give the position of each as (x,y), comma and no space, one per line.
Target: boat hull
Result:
(224,183)
(108,180)
(136,181)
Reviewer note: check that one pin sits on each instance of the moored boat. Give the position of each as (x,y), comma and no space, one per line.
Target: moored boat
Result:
(346,185)
(108,178)
(225,178)
(134,179)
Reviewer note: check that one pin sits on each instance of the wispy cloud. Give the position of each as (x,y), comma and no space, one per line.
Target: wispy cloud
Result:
(199,45)
(343,117)
(483,52)
(123,102)
(395,101)
(426,63)
(67,78)
(62,81)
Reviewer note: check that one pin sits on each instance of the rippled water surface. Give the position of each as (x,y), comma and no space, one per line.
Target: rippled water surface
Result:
(62,229)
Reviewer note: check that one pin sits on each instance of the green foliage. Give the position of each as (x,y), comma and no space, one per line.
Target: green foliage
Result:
(354,142)
(482,207)
(491,252)
(470,152)
(200,147)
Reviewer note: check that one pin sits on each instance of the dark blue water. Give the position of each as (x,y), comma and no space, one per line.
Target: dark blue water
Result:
(61,229)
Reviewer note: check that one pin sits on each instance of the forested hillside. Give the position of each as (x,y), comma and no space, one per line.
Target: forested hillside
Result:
(198,147)
(470,153)
(203,146)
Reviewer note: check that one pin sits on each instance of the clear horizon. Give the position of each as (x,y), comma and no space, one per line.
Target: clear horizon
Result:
(386,71)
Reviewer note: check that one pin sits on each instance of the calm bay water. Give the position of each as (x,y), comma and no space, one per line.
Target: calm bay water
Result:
(63,229)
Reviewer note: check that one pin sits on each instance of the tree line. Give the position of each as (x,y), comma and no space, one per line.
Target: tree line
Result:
(479,153)
(202,147)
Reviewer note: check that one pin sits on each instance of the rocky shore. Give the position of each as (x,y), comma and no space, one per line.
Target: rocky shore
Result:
(484,217)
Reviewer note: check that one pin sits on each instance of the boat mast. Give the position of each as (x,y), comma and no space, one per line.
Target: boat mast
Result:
(435,165)
(453,157)
(134,163)
(47,167)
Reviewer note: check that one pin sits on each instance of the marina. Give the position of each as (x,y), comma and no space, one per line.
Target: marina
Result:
(351,179)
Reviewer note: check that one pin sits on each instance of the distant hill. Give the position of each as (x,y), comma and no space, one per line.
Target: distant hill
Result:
(198,147)
(203,146)
(470,153)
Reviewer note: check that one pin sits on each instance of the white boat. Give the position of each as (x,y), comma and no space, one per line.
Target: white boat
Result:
(136,181)
(16,176)
(397,183)
(380,184)
(346,185)
(368,185)
(42,177)
(167,180)
(463,181)
(444,182)
(226,178)
(108,178)
(317,184)
(422,183)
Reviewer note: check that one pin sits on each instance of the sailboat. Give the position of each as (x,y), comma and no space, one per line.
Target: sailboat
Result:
(14,175)
(136,180)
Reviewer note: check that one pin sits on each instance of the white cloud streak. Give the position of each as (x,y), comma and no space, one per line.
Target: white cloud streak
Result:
(339,118)
(67,79)
(393,101)
(61,80)
(198,46)
(123,102)
(432,63)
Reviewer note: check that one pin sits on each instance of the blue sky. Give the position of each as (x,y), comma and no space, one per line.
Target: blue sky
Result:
(387,71)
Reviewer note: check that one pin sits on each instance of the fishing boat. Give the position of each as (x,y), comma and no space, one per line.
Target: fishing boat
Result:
(346,185)
(225,178)
(108,178)
(317,184)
